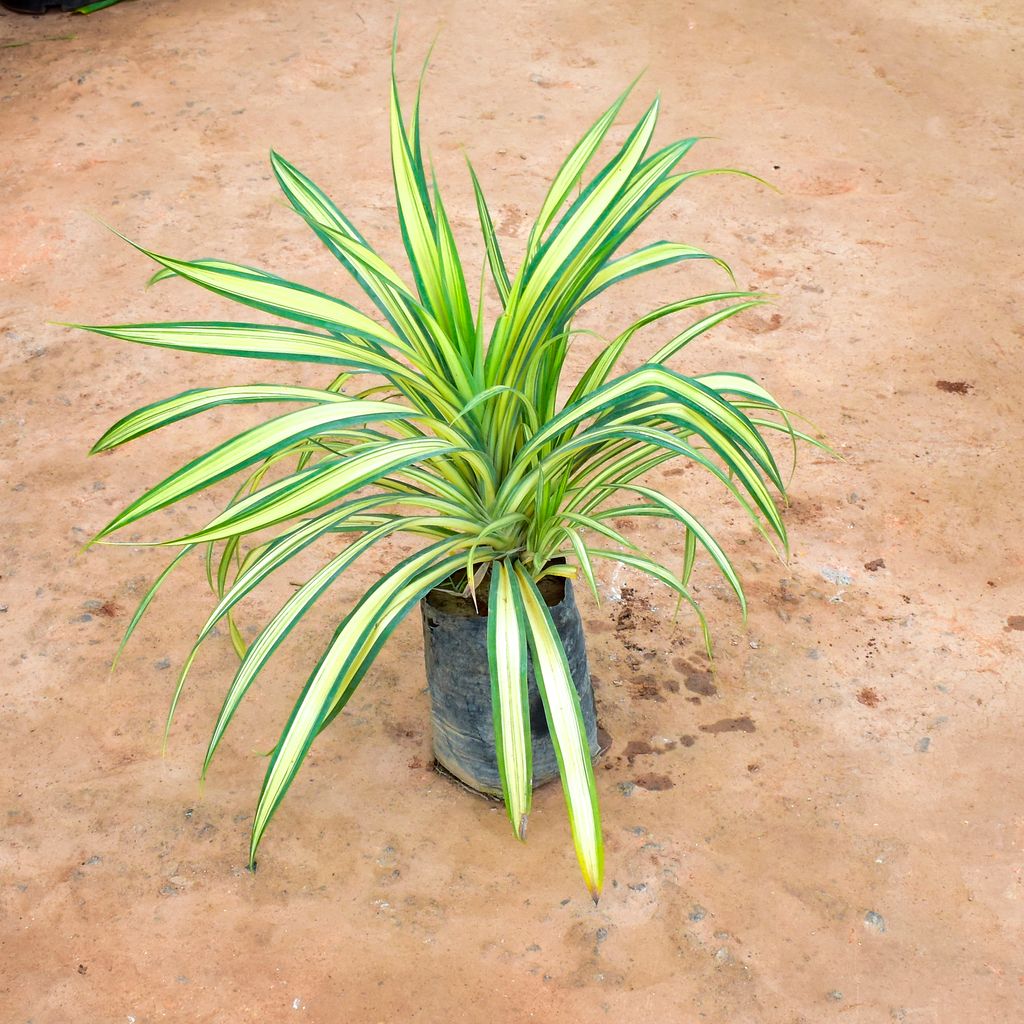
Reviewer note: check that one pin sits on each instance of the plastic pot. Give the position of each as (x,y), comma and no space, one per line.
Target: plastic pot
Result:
(459,680)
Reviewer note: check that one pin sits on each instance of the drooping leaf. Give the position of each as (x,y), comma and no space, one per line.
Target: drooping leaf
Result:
(506,650)
(342,667)
(257,443)
(568,735)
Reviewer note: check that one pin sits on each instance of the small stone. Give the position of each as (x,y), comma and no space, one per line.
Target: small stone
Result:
(84,618)
(838,577)
(874,921)
(639,887)
(697,913)
(722,955)
(602,934)
(835,996)
(923,744)
(626,788)
(163,663)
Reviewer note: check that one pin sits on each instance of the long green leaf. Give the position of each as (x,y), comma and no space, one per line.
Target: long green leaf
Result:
(572,169)
(499,272)
(191,403)
(144,604)
(254,341)
(275,295)
(697,530)
(506,650)
(660,573)
(598,371)
(568,735)
(260,564)
(309,489)
(651,257)
(342,667)
(280,626)
(250,446)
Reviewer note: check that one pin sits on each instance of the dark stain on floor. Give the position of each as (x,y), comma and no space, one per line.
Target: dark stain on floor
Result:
(742,724)
(634,748)
(654,783)
(697,680)
(869,697)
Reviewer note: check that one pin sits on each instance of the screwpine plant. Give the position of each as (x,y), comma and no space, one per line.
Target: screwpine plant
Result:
(460,439)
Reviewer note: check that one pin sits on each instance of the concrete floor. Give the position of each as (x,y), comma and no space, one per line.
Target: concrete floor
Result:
(849,850)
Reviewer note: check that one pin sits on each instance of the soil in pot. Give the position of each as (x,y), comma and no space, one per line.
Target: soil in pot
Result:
(459,679)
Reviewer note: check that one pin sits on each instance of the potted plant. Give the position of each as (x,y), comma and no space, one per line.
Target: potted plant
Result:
(465,439)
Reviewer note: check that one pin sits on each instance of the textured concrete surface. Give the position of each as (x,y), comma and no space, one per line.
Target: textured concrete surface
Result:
(828,828)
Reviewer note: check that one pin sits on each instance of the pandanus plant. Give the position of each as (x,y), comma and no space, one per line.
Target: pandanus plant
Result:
(463,438)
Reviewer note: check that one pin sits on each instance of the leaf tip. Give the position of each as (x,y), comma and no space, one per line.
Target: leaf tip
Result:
(89,543)
(254,843)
